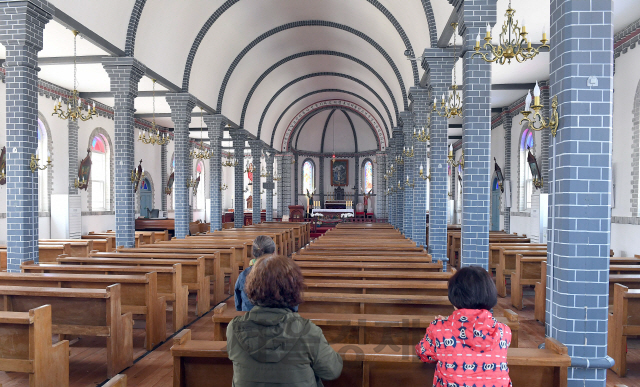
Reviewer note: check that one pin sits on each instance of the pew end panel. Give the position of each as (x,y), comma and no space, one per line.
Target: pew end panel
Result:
(117,381)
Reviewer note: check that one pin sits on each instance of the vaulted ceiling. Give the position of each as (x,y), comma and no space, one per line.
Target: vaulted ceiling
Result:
(260,62)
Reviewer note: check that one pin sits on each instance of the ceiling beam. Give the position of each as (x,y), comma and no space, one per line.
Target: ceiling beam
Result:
(108,94)
(455,137)
(509,86)
(447,33)
(68,60)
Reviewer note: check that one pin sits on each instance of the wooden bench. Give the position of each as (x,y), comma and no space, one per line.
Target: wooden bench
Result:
(79,247)
(48,253)
(169,282)
(363,258)
(302,230)
(507,265)
(3,258)
(109,242)
(370,266)
(381,274)
(26,347)
(193,273)
(494,251)
(361,328)
(394,253)
(357,286)
(279,237)
(527,273)
(117,381)
(81,312)
(292,234)
(624,321)
(204,363)
(397,304)
(138,293)
(138,238)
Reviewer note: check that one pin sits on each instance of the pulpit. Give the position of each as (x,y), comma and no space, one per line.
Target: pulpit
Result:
(296,213)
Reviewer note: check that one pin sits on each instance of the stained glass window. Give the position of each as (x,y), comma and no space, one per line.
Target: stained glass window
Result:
(526,179)
(308,176)
(100,173)
(368,176)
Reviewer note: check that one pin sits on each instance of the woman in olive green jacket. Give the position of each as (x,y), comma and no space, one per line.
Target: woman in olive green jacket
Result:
(271,345)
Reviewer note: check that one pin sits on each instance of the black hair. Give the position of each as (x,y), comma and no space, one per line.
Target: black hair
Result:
(472,288)
(263,245)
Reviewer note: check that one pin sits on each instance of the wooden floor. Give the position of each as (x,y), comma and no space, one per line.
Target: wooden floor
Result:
(154,369)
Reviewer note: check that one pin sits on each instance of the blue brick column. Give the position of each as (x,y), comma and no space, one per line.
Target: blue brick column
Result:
(381,187)
(476,133)
(296,171)
(321,180)
(124,74)
(21,26)
(507,125)
(399,178)
(269,186)
(239,137)
(409,170)
(181,105)
(438,63)
(580,178)
(280,188)
(165,177)
(72,148)
(356,191)
(421,112)
(390,180)
(256,152)
(287,159)
(215,125)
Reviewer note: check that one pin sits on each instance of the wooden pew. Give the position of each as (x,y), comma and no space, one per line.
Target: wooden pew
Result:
(370,266)
(363,258)
(79,247)
(81,312)
(356,286)
(110,241)
(138,238)
(3,258)
(375,304)
(378,274)
(193,273)
(508,265)
(302,230)
(624,321)
(494,251)
(395,253)
(169,282)
(139,295)
(48,253)
(527,272)
(280,239)
(26,347)
(205,363)
(117,381)
(362,328)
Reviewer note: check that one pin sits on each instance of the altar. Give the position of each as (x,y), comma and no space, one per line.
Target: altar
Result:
(332,214)
(335,204)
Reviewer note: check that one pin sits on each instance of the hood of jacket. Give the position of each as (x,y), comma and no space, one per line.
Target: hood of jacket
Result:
(477,329)
(269,334)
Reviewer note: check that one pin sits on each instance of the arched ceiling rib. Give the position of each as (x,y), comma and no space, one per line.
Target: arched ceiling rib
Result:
(325,91)
(307,53)
(323,74)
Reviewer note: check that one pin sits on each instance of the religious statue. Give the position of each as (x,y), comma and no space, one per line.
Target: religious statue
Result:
(366,197)
(250,202)
(309,196)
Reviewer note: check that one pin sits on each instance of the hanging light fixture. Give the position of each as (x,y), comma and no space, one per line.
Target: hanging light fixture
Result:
(513,42)
(154,137)
(451,106)
(74,103)
(200,152)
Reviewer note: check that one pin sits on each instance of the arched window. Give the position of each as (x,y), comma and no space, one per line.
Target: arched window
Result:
(100,179)
(200,199)
(367,173)
(526,180)
(308,176)
(43,175)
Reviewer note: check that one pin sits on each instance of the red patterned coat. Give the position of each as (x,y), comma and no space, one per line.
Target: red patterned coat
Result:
(470,349)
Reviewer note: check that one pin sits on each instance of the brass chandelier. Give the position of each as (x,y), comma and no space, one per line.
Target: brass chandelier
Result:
(154,137)
(513,42)
(451,106)
(74,103)
(200,152)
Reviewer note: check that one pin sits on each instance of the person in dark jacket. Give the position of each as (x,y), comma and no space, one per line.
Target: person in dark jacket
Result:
(271,345)
(262,245)
(470,346)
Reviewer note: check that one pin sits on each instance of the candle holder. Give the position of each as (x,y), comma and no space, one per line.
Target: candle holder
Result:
(423,176)
(34,164)
(409,184)
(537,122)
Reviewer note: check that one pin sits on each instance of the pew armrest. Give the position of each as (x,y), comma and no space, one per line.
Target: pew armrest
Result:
(220,309)
(182,337)
(510,315)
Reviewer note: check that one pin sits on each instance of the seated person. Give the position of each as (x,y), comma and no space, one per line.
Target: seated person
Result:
(470,346)
(262,245)
(271,345)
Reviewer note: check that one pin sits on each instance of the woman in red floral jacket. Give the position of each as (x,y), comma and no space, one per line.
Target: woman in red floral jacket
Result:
(470,346)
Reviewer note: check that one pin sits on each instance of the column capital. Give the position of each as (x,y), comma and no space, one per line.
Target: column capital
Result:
(407,121)
(256,145)
(215,123)
(20,31)
(124,74)
(181,105)
(438,59)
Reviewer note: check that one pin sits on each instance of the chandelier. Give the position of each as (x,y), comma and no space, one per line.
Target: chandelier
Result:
(74,103)
(200,152)
(513,42)
(424,134)
(154,135)
(230,162)
(451,106)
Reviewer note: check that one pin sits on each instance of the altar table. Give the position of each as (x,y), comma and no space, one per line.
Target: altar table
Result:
(332,213)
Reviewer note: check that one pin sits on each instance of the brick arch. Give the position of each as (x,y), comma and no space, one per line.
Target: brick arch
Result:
(303,124)
(112,165)
(315,52)
(326,91)
(635,154)
(302,78)
(431,22)
(134,20)
(326,105)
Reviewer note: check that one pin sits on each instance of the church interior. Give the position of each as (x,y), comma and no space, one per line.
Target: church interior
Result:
(383,146)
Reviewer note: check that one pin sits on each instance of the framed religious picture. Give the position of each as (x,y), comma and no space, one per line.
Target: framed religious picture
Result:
(84,172)
(340,173)
(169,188)
(3,166)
